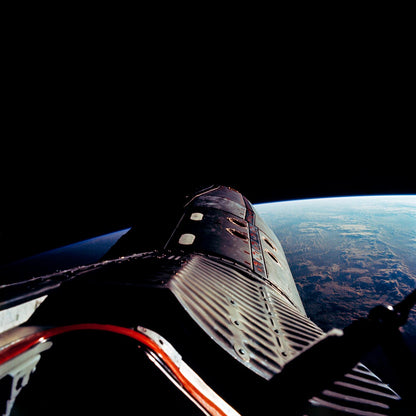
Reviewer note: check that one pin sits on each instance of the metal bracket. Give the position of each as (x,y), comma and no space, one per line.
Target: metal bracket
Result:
(15,374)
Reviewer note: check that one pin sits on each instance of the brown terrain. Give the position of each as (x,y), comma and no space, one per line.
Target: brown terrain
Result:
(348,254)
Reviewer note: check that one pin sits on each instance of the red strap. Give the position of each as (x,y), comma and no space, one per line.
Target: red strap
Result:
(25,343)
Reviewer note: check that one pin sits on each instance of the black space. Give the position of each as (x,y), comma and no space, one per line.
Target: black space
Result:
(108,124)
(102,134)
(57,199)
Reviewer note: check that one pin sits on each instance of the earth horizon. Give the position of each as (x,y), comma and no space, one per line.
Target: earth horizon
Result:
(348,254)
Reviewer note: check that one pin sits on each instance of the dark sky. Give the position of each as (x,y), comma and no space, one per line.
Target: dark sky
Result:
(51,199)
(95,141)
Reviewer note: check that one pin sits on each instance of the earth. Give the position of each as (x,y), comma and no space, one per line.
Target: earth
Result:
(348,254)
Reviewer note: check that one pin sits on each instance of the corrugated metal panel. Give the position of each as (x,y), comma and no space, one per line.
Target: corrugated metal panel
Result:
(249,318)
(259,326)
(359,392)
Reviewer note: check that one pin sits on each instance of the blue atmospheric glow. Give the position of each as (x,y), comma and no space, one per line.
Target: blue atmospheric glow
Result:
(355,198)
(62,258)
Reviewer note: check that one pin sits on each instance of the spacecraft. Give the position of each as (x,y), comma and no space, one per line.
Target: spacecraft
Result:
(211,323)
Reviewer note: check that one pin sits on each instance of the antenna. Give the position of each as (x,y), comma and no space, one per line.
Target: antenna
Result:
(403,308)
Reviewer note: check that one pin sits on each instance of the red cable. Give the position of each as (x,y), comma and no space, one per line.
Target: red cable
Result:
(25,343)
